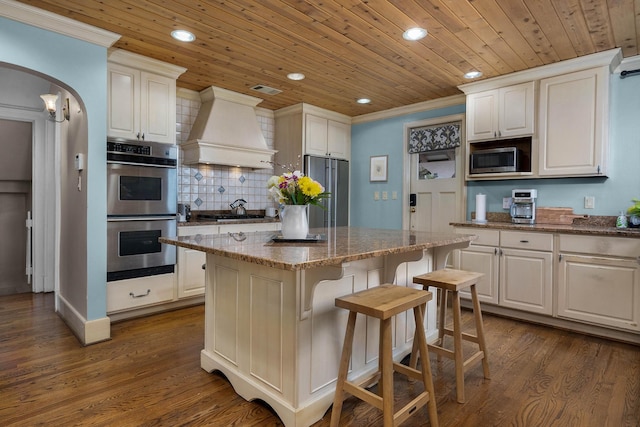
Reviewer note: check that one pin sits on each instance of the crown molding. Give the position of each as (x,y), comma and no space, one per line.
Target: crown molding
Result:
(59,24)
(435,104)
(610,58)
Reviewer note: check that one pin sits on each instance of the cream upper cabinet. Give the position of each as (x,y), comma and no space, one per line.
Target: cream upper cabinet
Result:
(599,281)
(304,129)
(326,137)
(573,118)
(141,98)
(506,112)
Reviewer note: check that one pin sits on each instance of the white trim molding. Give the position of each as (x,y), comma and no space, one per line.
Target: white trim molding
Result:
(434,104)
(59,24)
(87,331)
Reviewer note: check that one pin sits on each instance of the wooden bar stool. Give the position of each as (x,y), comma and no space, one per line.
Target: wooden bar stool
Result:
(450,280)
(384,302)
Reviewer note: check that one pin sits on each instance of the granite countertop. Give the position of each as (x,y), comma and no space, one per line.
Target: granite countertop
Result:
(196,219)
(340,244)
(212,222)
(591,225)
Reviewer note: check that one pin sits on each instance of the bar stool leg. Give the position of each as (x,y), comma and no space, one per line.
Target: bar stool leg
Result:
(343,370)
(427,379)
(457,346)
(387,372)
(480,330)
(442,316)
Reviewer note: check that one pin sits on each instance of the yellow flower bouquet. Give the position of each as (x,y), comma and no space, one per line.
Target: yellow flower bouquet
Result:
(294,188)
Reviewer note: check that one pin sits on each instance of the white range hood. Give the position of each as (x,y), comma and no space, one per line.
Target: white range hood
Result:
(227,132)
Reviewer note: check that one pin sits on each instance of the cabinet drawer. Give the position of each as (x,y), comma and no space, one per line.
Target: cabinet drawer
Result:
(192,230)
(526,240)
(139,292)
(598,245)
(485,237)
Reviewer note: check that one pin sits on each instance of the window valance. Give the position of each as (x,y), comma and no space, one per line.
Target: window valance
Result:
(438,137)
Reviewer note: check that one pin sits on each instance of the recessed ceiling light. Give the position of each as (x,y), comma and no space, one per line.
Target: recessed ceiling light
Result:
(472,75)
(363,101)
(183,35)
(413,34)
(295,76)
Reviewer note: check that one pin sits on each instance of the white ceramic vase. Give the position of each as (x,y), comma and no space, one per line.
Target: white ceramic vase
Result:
(295,222)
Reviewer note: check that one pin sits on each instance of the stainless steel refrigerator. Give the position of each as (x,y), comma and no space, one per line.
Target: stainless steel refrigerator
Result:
(333,174)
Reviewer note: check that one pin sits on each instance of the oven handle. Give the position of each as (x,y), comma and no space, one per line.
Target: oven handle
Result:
(151,165)
(141,218)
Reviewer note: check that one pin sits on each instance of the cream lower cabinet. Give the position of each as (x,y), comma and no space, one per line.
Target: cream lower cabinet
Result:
(191,263)
(599,281)
(518,269)
(481,256)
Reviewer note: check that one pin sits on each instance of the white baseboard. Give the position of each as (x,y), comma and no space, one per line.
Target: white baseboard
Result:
(87,331)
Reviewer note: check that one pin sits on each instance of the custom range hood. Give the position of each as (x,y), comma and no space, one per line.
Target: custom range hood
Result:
(226,132)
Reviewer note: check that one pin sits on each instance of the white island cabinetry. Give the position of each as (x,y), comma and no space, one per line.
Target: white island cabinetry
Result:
(191,263)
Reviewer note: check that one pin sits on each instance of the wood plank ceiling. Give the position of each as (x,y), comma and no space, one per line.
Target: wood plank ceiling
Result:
(350,49)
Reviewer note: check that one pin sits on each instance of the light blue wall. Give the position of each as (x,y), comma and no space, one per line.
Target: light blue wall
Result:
(82,68)
(382,137)
(611,194)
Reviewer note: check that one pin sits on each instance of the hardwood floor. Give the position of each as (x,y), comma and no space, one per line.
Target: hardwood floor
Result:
(149,374)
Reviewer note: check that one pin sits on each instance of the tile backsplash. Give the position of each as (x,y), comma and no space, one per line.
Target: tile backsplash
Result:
(214,187)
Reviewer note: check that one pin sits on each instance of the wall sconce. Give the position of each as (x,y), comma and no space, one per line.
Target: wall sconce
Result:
(50,104)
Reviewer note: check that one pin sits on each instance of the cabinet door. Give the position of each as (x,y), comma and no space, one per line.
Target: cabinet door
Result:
(482,259)
(526,280)
(516,110)
(191,275)
(158,112)
(482,115)
(338,140)
(600,290)
(123,111)
(315,135)
(573,131)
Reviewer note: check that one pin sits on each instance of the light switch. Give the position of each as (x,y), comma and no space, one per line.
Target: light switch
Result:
(589,202)
(385,195)
(394,195)
(376,195)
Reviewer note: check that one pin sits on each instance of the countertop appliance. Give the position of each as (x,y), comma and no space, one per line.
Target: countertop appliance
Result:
(496,160)
(333,175)
(141,207)
(523,207)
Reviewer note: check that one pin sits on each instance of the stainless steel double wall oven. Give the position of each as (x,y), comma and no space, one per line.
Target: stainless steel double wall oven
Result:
(141,207)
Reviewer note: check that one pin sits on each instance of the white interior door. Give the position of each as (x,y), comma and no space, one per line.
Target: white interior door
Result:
(437,181)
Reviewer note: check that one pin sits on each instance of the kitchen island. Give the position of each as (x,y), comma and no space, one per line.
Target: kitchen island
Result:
(271,326)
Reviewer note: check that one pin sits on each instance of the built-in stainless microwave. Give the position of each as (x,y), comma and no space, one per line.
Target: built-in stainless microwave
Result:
(495,160)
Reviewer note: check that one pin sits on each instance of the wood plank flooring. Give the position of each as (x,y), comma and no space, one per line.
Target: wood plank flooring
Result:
(149,374)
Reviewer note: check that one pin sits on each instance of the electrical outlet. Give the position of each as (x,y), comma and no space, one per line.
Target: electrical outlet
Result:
(394,195)
(589,202)
(385,195)
(506,202)
(376,195)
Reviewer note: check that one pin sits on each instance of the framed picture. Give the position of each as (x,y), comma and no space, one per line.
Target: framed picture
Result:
(378,169)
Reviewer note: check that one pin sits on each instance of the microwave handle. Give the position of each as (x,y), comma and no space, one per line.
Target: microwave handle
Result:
(512,210)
